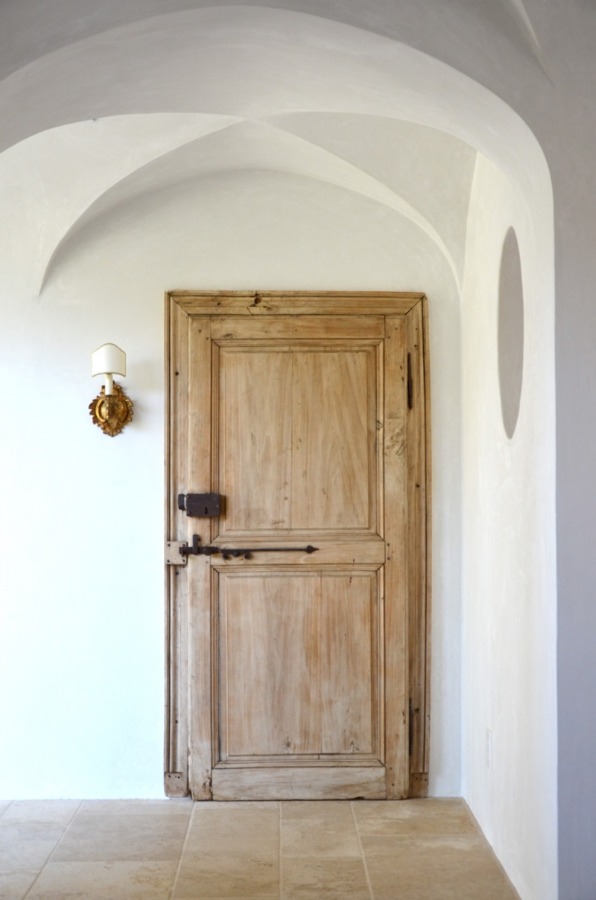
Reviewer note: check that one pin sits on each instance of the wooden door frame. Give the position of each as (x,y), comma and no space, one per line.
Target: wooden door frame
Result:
(180,732)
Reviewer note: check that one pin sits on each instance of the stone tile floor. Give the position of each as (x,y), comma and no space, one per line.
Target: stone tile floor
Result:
(289,850)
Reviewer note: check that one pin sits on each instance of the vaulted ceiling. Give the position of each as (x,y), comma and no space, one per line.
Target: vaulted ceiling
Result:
(102,104)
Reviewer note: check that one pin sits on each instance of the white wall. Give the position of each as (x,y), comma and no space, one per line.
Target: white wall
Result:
(247,230)
(509,603)
(83,513)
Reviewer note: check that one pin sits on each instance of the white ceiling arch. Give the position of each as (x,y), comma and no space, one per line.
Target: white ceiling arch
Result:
(240,83)
(29,29)
(261,146)
(254,62)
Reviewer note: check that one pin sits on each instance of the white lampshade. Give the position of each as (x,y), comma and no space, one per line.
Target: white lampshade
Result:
(108,359)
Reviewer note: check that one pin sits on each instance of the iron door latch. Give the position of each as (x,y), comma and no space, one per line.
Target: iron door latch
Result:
(177,552)
(201,505)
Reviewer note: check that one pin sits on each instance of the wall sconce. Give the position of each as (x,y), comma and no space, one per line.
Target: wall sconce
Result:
(111,410)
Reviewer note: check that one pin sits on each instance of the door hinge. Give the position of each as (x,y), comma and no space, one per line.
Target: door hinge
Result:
(410,383)
(175,555)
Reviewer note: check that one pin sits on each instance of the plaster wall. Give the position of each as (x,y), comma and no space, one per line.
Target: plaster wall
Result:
(82,596)
(83,513)
(508,561)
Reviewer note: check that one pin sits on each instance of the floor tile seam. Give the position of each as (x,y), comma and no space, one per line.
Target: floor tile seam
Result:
(53,850)
(362,856)
(182,851)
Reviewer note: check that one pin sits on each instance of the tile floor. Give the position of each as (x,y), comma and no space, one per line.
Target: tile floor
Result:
(374,850)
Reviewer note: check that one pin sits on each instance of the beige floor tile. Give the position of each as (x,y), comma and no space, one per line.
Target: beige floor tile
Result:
(437,869)
(95,837)
(218,805)
(174,807)
(327,878)
(14,885)
(105,881)
(227,876)
(24,846)
(311,828)
(318,810)
(319,838)
(412,817)
(244,832)
(413,850)
(57,812)
(391,844)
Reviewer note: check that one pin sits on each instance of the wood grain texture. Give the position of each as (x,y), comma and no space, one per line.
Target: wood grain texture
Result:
(333,460)
(227,328)
(396,570)
(269,664)
(290,674)
(299,669)
(350,670)
(198,396)
(299,783)
(176,737)
(419,523)
(254,438)
(291,303)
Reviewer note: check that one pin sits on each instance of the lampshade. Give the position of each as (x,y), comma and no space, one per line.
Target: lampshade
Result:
(108,358)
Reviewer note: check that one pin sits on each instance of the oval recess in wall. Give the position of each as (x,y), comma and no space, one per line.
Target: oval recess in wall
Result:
(510,332)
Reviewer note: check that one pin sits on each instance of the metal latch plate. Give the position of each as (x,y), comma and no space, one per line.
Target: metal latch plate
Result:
(174,556)
(201,505)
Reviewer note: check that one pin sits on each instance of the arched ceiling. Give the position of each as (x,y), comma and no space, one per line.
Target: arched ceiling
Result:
(123,111)
(30,29)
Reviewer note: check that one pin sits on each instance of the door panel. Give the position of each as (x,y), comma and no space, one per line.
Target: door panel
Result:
(333,438)
(293,458)
(297,654)
(269,664)
(351,658)
(298,663)
(253,388)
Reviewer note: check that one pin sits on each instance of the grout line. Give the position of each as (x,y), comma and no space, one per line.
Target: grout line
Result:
(184,843)
(51,853)
(368,881)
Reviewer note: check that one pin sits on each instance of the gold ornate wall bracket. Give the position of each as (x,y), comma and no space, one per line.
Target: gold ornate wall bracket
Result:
(112,412)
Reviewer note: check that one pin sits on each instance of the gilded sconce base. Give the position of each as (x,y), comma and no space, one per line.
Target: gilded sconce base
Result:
(113,412)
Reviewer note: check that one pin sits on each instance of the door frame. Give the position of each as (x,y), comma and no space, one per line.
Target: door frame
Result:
(180,306)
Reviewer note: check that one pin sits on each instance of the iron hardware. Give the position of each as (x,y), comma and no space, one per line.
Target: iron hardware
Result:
(174,555)
(410,383)
(197,549)
(201,505)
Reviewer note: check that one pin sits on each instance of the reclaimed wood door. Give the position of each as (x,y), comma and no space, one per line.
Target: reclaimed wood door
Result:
(298,626)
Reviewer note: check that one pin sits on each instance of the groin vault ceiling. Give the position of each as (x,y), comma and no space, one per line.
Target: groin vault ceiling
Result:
(94,124)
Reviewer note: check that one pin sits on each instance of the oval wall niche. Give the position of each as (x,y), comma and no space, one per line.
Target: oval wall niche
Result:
(510,332)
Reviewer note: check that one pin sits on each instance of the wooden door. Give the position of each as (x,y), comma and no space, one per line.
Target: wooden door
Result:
(298,629)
